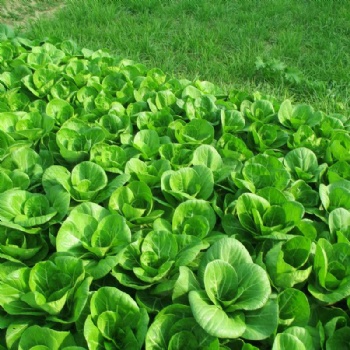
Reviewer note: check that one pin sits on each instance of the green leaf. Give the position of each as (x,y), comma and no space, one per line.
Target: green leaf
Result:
(15,331)
(221,282)
(185,283)
(249,207)
(287,341)
(339,221)
(261,110)
(303,164)
(232,120)
(25,209)
(261,323)
(188,183)
(46,338)
(293,117)
(111,158)
(253,287)
(207,155)
(92,335)
(60,110)
(267,136)
(162,243)
(197,131)
(170,325)
(134,201)
(187,211)
(213,319)
(228,250)
(331,282)
(336,195)
(339,340)
(87,179)
(304,194)
(181,339)
(294,308)
(147,142)
(337,149)
(338,171)
(115,317)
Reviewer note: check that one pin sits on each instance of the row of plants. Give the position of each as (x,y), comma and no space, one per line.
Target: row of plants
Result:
(140,211)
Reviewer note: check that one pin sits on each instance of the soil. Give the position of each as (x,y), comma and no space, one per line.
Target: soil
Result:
(19,13)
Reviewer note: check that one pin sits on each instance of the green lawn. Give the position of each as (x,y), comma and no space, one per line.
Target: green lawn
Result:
(302,47)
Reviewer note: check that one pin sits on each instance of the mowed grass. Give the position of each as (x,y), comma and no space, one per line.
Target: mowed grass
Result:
(221,41)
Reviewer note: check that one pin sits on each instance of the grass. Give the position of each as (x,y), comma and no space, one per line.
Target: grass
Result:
(302,46)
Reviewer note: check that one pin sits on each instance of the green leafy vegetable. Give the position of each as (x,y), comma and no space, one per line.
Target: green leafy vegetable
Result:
(115,321)
(175,328)
(234,301)
(330,282)
(94,235)
(287,263)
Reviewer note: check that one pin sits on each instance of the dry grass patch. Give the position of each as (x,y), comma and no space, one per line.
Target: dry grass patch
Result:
(20,13)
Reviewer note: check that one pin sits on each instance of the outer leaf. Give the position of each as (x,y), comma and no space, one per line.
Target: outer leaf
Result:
(229,250)
(183,339)
(248,206)
(261,323)
(287,341)
(158,334)
(339,340)
(207,155)
(59,109)
(254,287)
(339,220)
(36,336)
(87,179)
(213,319)
(147,142)
(185,283)
(191,209)
(303,164)
(197,131)
(294,308)
(92,335)
(331,280)
(263,170)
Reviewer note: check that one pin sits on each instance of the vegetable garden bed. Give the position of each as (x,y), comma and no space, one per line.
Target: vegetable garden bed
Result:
(143,211)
